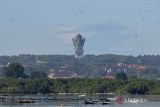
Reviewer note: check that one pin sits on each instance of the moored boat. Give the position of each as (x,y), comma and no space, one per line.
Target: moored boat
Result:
(105,103)
(26,101)
(88,102)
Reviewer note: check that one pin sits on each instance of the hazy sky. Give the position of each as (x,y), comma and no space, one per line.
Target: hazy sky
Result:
(129,27)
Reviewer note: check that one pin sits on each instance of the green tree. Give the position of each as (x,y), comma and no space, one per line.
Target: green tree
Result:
(137,87)
(14,70)
(121,76)
(36,74)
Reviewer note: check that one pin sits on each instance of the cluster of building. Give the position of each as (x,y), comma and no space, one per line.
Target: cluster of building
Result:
(63,72)
(122,67)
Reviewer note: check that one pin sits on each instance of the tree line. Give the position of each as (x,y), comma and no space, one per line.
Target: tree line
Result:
(73,85)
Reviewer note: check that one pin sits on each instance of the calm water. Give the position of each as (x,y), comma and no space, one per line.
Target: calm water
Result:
(77,104)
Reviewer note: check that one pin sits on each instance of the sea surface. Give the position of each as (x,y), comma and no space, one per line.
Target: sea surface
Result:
(77,104)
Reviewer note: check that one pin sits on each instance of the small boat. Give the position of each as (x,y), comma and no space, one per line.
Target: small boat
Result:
(105,103)
(89,102)
(26,101)
(82,95)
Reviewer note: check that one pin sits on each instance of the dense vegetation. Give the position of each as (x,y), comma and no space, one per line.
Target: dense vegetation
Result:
(16,81)
(34,86)
(14,70)
(90,66)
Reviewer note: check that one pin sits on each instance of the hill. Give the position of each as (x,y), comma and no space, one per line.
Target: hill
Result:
(90,66)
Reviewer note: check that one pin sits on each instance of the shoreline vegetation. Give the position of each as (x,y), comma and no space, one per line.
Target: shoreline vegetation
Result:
(130,86)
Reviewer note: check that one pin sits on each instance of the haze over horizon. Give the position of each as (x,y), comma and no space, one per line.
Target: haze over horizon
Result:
(110,26)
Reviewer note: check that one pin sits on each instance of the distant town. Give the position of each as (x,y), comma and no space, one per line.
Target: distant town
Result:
(90,66)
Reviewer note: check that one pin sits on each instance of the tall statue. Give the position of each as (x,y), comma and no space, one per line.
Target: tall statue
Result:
(78,43)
